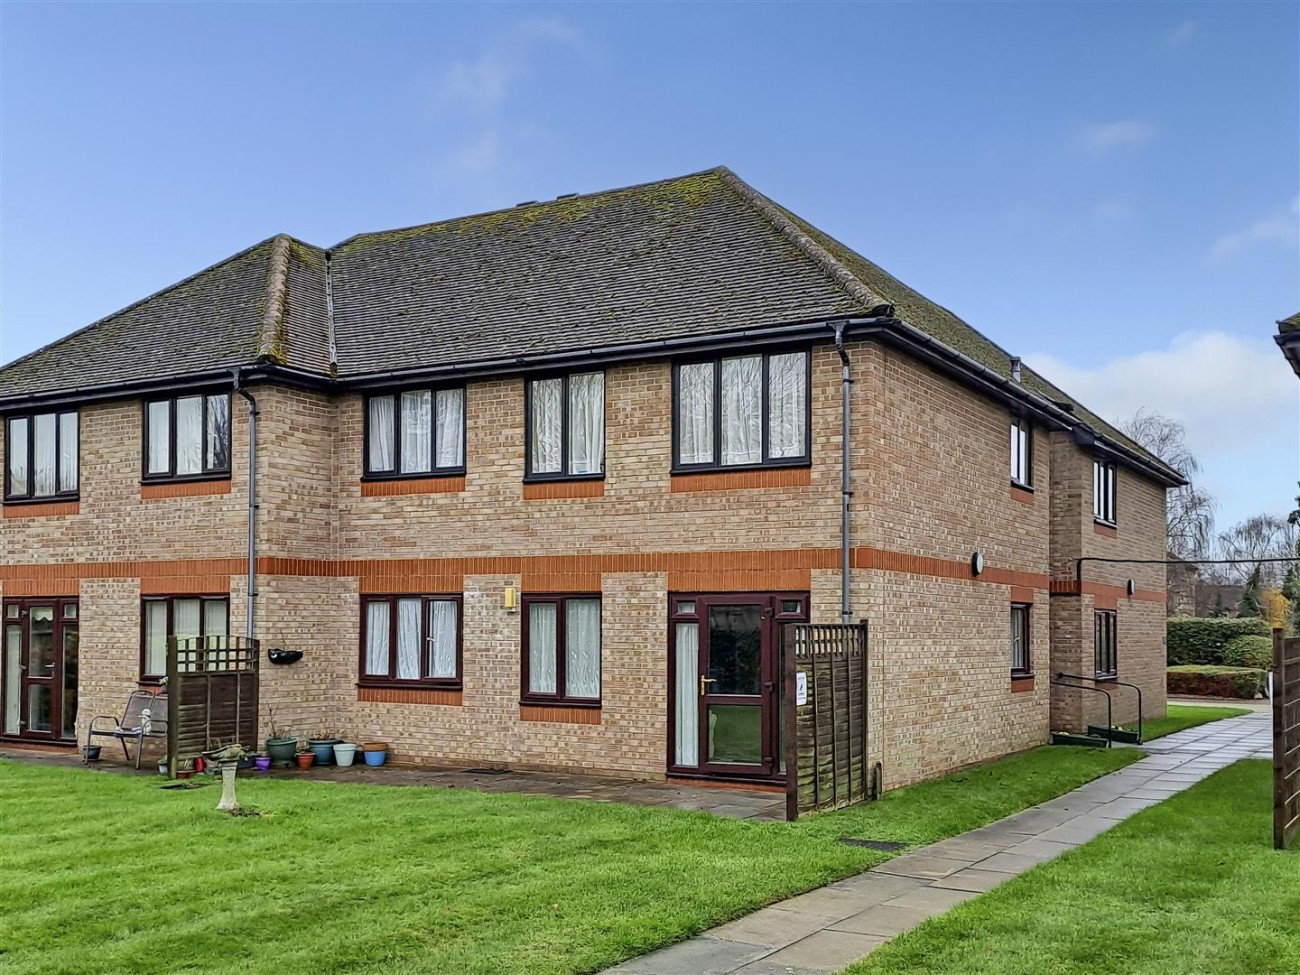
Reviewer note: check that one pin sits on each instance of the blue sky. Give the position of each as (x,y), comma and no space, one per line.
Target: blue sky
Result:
(1110,190)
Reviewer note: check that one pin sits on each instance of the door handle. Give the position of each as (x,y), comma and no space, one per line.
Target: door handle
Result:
(706,680)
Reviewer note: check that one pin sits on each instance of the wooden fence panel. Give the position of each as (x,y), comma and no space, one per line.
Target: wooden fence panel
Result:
(1286,739)
(825,676)
(212,685)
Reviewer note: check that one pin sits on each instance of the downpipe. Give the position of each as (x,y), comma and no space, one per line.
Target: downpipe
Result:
(846,487)
(253,414)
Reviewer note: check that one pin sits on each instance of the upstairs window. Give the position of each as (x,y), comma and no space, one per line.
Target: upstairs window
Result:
(1104,639)
(1021,660)
(418,432)
(741,411)
(566,426)
(42,457)
(1103,491)
(187,437)
(1022,452)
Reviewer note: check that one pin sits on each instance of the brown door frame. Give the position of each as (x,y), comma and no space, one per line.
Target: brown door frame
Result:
(771,618)
(55,681)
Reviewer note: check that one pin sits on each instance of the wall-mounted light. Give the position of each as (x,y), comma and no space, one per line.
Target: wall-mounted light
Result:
(977,563)
(511,598)
(1132,587)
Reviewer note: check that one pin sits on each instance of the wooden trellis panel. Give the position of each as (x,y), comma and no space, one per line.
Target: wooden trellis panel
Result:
(212,687)
(1286,739)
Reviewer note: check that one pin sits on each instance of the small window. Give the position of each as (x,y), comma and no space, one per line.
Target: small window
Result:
(1021,659)
(686,607)
(561,650)
(414,433)
(42,457)
(566,426)
(411,639)
(1022,452)
(183,617)
(1103,491)
(1105,659)
(742,411)
(187,437)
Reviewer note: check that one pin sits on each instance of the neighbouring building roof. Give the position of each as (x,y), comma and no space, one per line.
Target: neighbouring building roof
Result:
(1288,338)
(699,255)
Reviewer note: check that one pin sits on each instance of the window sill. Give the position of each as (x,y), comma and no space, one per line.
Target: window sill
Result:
(1105,528)
(1021,492)
(412,685)
(1021,683)
(442,472)
(561,713)
(152,490)
(42,508)
(1105,678)
(394,694)
(552,478)
(145,680)
(184,478)
(740,479)
(740,468)
(545,490)
(397,487)
(550,702)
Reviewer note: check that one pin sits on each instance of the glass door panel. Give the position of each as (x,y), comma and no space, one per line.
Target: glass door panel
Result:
(736,733)
(12,676)
(686,695)
(68,727)
(38,669)
(733,701)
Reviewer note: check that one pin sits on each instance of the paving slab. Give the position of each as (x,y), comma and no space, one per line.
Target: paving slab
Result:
(920,865)
(699,956)
(886,920)
(973,879)
(772,927)
(825,951)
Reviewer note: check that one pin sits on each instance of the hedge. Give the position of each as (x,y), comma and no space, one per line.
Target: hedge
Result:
(1197,640)
(1205,681)
(1249,651)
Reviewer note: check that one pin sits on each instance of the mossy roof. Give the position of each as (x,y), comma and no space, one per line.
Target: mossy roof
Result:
(692,256)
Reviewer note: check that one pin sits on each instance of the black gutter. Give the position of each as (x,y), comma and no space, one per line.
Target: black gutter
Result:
(1289,343)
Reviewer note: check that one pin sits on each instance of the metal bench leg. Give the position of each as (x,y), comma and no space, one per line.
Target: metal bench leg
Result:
(139,751)
(125,750)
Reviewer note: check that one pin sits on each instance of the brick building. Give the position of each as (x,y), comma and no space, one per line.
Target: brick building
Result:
(536,488)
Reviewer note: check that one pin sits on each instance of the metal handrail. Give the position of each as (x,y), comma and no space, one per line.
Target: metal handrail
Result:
(1120,683)
(1083,687)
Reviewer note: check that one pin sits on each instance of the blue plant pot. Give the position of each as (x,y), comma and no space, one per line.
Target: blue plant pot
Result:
(376,758)
(323,748)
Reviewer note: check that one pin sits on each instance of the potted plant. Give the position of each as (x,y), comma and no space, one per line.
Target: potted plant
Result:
(323,746)
(344,753)
(91,753)
(281,744)
(375,752)
(184,768)
(305,757)
(262,761)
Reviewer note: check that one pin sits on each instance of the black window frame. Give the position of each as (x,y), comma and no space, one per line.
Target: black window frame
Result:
(425,679)
(30,496)
(1022,424)
(532,476)
(170,600)
(170,475)
(397,474)
(1105,487)
(1026,611)
(560,698)
(1105,644)
(767,461)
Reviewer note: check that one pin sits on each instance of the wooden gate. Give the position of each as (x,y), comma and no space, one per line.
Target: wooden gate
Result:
(1286,739)
(211,694)
(824,716)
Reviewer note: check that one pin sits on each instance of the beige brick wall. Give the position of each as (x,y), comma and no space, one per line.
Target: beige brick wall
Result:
(931,482)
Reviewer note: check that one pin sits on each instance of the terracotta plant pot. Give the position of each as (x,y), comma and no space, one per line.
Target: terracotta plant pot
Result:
(305,759)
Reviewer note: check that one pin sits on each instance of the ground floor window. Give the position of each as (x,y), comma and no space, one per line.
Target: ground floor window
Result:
(183,617)
(1104,626)
(560,655)
(410,640)
(1021,661)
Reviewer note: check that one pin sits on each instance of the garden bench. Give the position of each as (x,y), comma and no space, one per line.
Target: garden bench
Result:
(145,717)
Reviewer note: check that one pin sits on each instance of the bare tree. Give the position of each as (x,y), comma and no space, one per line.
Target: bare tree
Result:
(1190,510)
(1261,537)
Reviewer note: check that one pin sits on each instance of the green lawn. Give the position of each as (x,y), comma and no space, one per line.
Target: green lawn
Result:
(109,873)
(1189,887)
(1180,716)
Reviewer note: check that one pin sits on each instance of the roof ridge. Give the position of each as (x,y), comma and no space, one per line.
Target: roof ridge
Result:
(272,337)
(135,304)
(818,254)
(713,171)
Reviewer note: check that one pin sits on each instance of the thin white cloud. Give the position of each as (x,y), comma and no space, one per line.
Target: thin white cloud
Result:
(1280,228)
(1230,392)
(1181,34)
(1111,211)
(1102,138)
(486,81)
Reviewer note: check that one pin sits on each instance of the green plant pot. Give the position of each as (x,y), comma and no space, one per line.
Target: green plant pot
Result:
(281,751)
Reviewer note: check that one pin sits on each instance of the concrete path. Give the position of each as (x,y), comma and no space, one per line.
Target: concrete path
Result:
(827,929)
